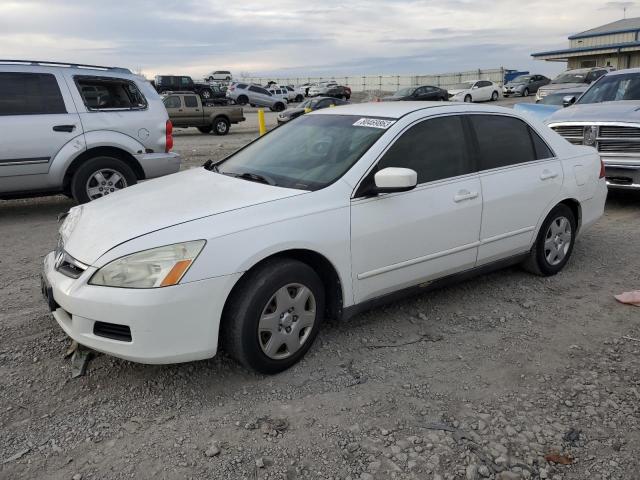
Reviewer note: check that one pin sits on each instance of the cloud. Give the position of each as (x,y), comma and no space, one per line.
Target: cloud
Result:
(329,37)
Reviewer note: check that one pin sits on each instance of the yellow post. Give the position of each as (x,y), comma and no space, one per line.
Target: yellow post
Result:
(331,106)
(261,124)
(307,110)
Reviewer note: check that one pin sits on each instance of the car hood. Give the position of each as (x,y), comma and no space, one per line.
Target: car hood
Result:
(157,204)
(292,111)
(620,111)
(561,86)
(537,110)
(392,98)
(514,85)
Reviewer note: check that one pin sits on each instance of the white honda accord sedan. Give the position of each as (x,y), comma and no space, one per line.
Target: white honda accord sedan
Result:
(321,218)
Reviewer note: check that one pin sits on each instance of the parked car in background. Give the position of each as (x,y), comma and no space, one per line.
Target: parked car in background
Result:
(309,105)
(524,85)
(474,91)
(321,88)
(244,93)
(187,110)
(84,131)
(349,186)
(338,91)
(606,118)
(420,93)
(219,75)
(175,83)
(280,92)
(543,109)
(580,77)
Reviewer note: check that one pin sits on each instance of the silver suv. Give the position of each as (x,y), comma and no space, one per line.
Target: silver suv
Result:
(243,93)
(82,130)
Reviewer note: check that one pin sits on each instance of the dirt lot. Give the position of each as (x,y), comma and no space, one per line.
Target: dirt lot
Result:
(479,380)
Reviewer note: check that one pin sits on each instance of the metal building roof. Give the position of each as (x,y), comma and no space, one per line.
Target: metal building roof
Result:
(621,26)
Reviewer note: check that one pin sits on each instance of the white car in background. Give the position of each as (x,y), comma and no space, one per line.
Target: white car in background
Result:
(474,91)
(321,88)
(321,218)
(279,92)
(220,76)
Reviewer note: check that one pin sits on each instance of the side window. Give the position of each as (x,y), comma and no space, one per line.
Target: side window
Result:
(105,93)
(484,83)
(435,149)
(502,141)
(190,101)
(185,81)
(30,94)
(241,85)
(541,148)
(172,102)
(259,90)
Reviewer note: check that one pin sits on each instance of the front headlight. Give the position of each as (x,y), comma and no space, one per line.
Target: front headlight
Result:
(158,267)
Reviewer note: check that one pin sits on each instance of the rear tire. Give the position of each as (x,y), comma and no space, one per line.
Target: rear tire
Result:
(206,129)
(221,126)
(242,100)
(299,98)
(273,316)
(94,178)
(206,94)
(554,244)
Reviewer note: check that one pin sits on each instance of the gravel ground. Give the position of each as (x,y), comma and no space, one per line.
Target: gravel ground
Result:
(507,376)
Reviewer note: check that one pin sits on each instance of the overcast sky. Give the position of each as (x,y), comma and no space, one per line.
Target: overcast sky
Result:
(272,37)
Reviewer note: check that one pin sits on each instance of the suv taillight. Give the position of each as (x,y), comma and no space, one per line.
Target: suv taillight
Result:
(602,172)
(168,137)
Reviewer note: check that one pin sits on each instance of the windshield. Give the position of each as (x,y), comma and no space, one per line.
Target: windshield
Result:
(613,88)
(571,77)
(310,103)
(404,92)
(308,154)
(521,79)
(556,98)
(463,86)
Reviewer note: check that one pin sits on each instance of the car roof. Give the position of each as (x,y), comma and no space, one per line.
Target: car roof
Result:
(622,72)
(400,109)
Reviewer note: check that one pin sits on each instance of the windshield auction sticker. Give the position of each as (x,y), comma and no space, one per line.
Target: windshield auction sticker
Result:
(374,122)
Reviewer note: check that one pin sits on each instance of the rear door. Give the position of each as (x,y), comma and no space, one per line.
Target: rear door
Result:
(37,118)
(520,176)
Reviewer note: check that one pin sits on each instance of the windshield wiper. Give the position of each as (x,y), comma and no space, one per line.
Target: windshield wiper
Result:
(252,177)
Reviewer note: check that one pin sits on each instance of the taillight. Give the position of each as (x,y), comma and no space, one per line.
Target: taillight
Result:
(168,137)
(601,169)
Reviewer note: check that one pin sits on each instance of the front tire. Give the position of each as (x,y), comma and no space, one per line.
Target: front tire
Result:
(299,98)
(99,177)
(221,126)
(468,99)
(554,243)
(273,316)
(525,92)
(494,96)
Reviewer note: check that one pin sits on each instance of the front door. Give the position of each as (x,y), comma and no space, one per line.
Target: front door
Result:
(176,110)
(400,240)
(520,177)
(35,122)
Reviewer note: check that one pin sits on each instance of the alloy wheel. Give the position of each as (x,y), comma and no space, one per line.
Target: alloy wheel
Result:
(103,182)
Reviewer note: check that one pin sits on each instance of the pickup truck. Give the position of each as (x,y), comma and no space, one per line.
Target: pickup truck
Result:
(188,110)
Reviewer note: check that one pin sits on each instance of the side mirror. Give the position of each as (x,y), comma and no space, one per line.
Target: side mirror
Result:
(474,87)
(568,100)
(393,179)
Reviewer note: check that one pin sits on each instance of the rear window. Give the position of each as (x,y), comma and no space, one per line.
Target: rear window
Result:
(241,85)
(30,94)
(110,94)
(191,101)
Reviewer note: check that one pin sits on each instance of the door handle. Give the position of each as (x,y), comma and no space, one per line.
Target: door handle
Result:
(179,109)
(64,128)
(547,174)
(463,195)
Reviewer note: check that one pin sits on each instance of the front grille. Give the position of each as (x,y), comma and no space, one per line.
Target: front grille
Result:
(613,146)
(576,131)
(607,131)
(113,331)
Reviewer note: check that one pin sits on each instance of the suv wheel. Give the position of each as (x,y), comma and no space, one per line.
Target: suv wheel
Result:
(99,177)
(494,96)
(525,92)
(221,126)
(242,100)
(206,94)
(274,315)
(554,244)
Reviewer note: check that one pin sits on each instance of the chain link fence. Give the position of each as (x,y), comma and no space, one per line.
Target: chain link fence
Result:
(376,85)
